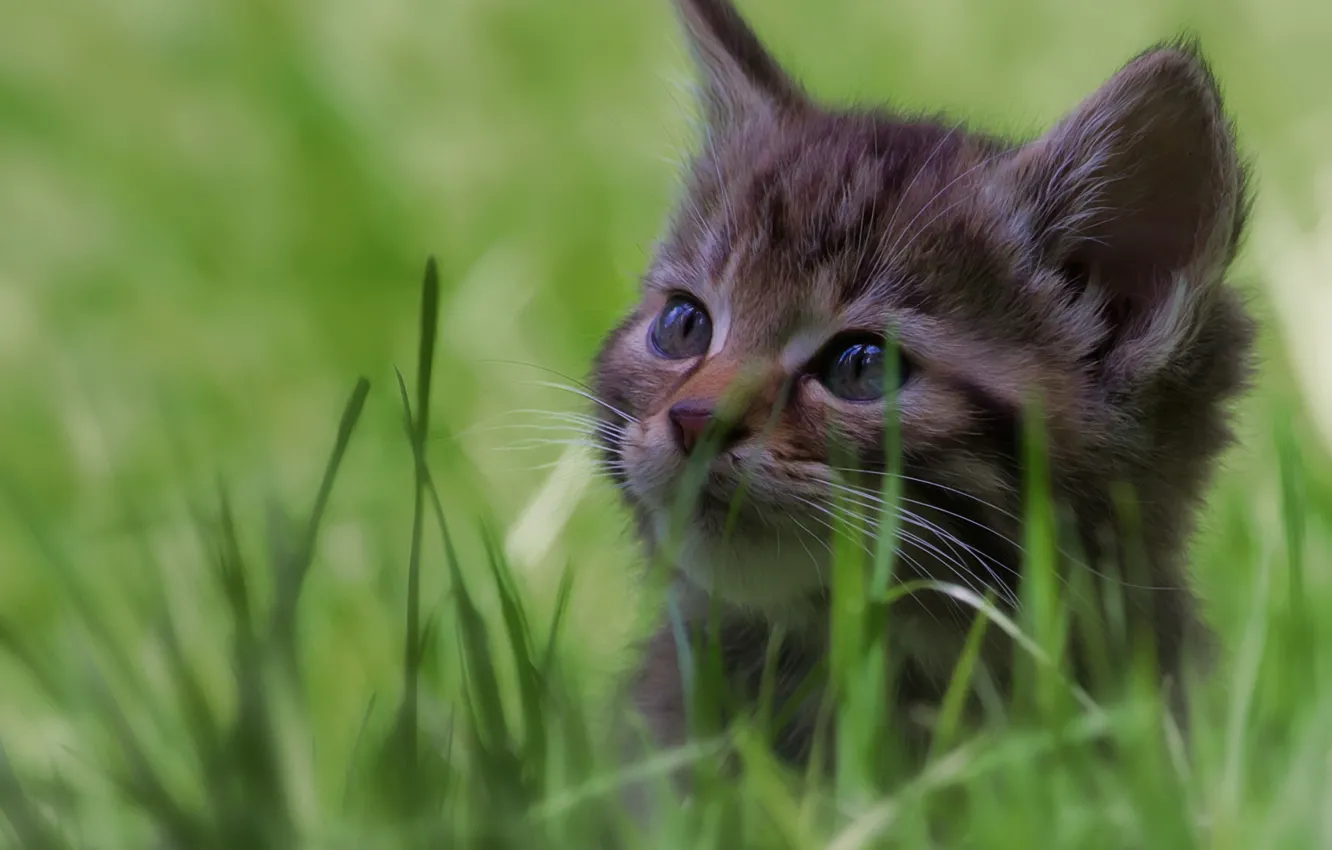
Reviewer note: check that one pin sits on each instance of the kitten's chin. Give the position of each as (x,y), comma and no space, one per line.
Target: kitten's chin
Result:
(751,559)
(770,571)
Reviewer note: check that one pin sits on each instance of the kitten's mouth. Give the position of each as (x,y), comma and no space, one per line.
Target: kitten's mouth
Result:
(704,494)
(733,491)
(717,495)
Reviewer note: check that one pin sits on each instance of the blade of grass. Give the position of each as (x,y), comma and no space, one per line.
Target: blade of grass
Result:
(200,720)
(27,823)
(15,646)
(1294,511)
(249,765)
(140,781)
(90,615)
(963,764)
(229,572)
(1243,692)
(857,655)
(763,780)
(1039,586)
(289,576)
(418,427)
(530,688)
(684,656)
(659,765)
(768,683)
(354,757)
(959,685)
(553,634)
(890,491)
(475,644)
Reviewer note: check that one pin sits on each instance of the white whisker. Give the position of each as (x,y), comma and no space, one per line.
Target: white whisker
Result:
(926,483)
(539,442)
(589,396)
(904,555)
(818,567)
(873,500)
(952,561)
(1020,548)
(558,429)
(568,416)
(829,525)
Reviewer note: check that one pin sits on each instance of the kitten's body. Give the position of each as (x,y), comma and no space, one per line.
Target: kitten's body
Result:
(1083,270)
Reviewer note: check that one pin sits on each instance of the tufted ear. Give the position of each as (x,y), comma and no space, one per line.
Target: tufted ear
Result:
(1137,192)
(740,78)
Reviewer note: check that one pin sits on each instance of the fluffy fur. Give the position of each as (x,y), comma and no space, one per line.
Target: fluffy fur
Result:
(1084,270)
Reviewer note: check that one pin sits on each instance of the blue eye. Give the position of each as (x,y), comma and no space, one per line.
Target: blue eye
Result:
(682,329)
(853,369)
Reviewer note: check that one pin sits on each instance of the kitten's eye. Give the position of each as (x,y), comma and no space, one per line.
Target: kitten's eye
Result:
(853,369)
(682,329)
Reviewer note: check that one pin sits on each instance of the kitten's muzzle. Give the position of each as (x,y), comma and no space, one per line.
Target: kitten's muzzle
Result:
(695,420)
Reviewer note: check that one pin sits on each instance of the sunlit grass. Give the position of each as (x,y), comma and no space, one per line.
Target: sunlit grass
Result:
(519,753)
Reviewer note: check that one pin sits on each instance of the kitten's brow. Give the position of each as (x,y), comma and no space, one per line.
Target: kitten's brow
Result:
(723,190)
(884,259)
(911,184)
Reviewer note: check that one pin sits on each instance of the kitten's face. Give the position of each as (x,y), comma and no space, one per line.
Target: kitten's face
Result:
(1004,273)
(769,305)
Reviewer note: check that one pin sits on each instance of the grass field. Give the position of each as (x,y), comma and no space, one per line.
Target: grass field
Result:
(214,219)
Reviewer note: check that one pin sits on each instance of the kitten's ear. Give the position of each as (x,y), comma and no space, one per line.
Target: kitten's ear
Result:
(740,77)
(1138,190)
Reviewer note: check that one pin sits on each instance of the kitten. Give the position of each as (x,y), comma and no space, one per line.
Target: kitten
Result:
(1084,269)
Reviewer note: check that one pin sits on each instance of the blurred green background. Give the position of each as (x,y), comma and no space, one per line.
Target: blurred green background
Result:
(213,217)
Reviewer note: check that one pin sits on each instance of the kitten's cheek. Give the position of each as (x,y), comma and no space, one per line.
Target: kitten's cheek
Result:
(650,468)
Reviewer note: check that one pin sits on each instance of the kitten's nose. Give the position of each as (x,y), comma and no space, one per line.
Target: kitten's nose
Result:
(691,419)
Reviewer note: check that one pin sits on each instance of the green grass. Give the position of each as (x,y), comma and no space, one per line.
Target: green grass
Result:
(213,219)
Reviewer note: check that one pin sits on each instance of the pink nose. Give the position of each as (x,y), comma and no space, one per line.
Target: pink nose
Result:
(690,420)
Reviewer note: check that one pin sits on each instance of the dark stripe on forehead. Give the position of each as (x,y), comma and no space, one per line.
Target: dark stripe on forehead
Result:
(824,188)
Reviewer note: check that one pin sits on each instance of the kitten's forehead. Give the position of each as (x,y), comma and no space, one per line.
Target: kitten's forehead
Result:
(814,223)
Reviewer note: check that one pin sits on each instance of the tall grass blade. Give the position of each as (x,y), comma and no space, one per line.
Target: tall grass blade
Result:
(555,631)
(1294,513)
(1039,592)
(28,825)
(139,780)
(90,615)
(959,686)
(418,426)
(531,689)
(13,644)
(290,575)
